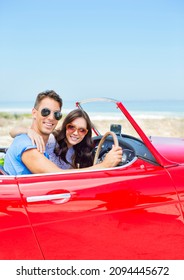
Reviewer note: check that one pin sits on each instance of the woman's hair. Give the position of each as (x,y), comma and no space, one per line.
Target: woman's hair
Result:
(83,151)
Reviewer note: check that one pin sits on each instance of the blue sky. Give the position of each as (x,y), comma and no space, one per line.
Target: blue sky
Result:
(124,49)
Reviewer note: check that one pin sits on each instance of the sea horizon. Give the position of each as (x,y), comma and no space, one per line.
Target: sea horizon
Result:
(139,108)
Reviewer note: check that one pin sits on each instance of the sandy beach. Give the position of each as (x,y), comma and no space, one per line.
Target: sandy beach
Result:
(166,126)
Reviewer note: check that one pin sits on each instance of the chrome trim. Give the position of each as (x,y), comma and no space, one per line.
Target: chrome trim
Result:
(64,196)
(105,99)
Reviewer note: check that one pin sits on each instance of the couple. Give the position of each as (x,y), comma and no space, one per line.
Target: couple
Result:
(69,147)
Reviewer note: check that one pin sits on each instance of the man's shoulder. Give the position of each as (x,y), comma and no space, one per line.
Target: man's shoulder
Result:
(22,141)
(13,159)
(22,138)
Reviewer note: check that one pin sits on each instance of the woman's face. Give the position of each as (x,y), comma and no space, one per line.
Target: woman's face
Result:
(76,131)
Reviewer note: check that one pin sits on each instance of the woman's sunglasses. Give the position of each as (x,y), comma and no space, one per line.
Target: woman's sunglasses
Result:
(82,131)
(46,112)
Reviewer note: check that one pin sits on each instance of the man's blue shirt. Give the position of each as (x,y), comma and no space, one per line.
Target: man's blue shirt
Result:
(13,163)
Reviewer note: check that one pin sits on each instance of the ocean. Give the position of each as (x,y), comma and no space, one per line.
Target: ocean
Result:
(140,108)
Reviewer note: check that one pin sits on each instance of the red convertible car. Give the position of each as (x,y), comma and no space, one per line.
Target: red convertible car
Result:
(132,211)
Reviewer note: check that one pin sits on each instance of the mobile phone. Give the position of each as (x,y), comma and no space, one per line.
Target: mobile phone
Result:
(116,128)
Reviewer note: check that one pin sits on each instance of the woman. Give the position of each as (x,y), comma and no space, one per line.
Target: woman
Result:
(74,142)
(69,147)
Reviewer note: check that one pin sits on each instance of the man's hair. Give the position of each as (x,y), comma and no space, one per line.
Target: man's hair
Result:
(48,93)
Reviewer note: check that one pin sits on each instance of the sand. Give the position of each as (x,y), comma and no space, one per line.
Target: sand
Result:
(166,126)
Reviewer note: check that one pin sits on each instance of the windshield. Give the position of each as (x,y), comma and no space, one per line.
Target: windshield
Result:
(106,115)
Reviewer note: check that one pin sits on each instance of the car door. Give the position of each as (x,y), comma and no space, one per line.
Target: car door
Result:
(120,213)
(17,240)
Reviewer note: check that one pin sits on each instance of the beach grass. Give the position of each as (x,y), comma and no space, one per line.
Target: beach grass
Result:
(16,116)
(166,127)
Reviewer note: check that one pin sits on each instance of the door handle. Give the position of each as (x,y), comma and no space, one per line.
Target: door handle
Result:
(63,197)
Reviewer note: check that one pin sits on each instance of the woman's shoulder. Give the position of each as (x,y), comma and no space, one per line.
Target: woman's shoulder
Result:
(51,139)
(51,143)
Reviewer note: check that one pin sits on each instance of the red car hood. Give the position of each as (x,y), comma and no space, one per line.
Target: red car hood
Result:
(169,147)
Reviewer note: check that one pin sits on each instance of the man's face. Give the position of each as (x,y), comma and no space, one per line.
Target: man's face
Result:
(45,125)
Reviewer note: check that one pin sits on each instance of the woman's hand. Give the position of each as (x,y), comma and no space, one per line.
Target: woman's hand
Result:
(114,157)
(36,140)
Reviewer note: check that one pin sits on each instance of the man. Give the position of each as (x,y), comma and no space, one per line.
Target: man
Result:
(23,157)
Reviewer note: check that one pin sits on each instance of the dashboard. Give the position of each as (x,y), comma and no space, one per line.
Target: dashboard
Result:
(132,147)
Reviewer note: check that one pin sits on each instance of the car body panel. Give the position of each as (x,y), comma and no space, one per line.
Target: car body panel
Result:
(171,148)
(98,209)
(17,239)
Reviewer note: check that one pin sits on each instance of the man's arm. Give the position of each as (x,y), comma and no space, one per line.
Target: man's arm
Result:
(38,163)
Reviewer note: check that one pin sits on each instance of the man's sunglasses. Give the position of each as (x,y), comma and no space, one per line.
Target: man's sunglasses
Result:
(82,131)
(46,112)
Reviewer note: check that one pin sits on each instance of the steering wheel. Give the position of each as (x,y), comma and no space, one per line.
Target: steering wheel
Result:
(115,139)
